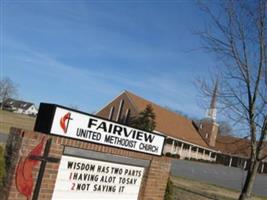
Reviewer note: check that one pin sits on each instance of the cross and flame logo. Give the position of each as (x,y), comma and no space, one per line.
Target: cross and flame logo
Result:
(64,122)
(24,177)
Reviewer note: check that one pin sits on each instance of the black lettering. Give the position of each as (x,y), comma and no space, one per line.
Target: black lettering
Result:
(134,133)
(149,138)
(91,122)
(117,130)
(139,135)
(108,138)
(75,176)
(102,126)
(83,186)
(110,128)
(70,164)
(78,166)
(125,132)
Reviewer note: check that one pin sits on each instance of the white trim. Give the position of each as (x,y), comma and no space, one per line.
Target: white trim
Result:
(262,167)
(119,110)
(230,162)
(172,149)
(111,112)
(155,131)
(189,143)
(189,153)
(245,165)
(176,149)
(126,115)
(181,149)
(233,155)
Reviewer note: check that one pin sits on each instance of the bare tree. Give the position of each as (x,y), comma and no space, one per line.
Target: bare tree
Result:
(7,90)
(225,128)
(74,106)
(237,36)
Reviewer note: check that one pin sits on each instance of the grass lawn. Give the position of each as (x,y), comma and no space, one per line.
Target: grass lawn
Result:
(185,189)
(9,119)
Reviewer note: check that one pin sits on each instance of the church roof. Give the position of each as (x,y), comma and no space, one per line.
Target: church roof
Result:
(169,122)
(18,104)
(235,146)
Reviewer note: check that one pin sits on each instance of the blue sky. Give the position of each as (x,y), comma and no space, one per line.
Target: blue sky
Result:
(85,53)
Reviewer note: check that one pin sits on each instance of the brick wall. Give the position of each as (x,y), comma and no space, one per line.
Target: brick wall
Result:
(209,131)
(153,184)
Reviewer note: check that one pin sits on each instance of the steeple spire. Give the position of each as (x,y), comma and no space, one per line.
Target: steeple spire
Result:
(212,111)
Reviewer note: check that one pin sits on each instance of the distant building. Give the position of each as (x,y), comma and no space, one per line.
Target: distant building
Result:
(21,107)
(185,138)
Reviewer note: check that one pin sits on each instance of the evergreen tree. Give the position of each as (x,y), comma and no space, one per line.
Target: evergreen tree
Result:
(145,120)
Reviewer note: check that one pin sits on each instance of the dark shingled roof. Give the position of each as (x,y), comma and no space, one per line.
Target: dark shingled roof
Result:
(235,146)
(17,104)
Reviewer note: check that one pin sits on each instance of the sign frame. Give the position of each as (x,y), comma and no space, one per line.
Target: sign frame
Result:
(45,118)
(145,169)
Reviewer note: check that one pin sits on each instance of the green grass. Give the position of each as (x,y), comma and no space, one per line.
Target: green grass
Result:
(195,190)
(9,119)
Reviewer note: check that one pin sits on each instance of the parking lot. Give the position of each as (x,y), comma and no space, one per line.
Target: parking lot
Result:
(228,177)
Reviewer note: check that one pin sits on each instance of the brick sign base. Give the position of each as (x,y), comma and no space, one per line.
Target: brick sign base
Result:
(21,142)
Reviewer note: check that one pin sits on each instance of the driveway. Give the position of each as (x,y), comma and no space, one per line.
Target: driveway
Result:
(228,177)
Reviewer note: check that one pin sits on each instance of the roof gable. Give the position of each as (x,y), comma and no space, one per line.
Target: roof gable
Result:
(18,104)
(170,123)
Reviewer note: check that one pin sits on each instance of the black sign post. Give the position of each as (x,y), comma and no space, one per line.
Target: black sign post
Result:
(44,159)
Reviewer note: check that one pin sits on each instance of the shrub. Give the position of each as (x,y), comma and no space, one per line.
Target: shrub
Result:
(168,154)
(2,166)
(169,190)
(176,156)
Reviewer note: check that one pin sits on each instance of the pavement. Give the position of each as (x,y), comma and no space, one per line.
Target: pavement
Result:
(227,177)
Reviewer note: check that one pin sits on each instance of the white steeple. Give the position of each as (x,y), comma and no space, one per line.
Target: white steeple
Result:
(212,111)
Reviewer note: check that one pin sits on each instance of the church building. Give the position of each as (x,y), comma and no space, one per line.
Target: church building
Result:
(185,138)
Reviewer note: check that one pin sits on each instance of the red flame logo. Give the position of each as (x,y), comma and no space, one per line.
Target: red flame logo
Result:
(64,122)
(24,179)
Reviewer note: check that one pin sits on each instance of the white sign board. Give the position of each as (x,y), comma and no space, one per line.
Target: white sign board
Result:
(81,126)
(83,179)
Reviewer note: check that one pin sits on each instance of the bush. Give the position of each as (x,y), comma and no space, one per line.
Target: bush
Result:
(169,190)
(168,154)
(200,160)
(176,156)
(2,166)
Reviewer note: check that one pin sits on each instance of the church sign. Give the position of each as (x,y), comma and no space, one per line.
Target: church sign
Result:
(80,178)
(61,121)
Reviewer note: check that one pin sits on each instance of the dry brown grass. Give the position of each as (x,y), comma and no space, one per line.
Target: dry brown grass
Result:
(185,189)
(9,119)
